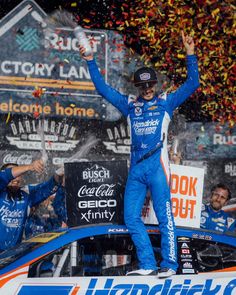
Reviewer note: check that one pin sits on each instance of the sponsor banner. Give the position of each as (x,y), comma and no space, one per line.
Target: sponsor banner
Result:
(186,195)
(49,105)
(94,192)
(34,57)
(193,284)
(208,141)
(24,133)
(186,256)
(65,141)
(21,133)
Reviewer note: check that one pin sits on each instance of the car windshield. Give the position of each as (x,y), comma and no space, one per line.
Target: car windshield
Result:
(27,246)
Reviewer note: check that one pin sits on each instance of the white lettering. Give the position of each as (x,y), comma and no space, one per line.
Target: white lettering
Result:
(221,139)
(104,190)
(97,204)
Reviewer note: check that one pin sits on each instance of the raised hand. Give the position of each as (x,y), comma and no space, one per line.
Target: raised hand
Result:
(188,43)
(82,52)
(37,166)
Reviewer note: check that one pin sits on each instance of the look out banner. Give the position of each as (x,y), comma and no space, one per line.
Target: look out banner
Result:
(94,192)
(186,195)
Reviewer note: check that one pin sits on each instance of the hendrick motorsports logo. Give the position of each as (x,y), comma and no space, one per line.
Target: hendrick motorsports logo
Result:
(167,287)
(96,174)
(148,127)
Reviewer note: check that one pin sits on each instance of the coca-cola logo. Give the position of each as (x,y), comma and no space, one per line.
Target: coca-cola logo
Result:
(23,159)
(104,190)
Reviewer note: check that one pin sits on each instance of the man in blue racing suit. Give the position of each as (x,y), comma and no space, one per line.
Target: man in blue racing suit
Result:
(149,116)
(212,216)
(15,200)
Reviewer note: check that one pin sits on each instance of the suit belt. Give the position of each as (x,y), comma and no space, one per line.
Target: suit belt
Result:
(149,154)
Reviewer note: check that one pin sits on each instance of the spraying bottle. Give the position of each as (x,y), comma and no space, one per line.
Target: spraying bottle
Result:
(83,40)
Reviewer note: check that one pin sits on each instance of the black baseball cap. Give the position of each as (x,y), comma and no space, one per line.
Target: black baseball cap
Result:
(145,77)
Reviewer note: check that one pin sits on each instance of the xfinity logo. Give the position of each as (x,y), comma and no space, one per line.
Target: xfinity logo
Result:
(96,174)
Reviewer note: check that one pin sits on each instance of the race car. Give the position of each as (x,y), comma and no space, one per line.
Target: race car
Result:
(93,260)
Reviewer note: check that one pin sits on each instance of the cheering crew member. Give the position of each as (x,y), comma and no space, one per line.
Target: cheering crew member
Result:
(16,200)
(149,116)
(212,216)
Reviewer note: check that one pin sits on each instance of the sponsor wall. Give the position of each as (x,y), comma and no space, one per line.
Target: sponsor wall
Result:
(94,192)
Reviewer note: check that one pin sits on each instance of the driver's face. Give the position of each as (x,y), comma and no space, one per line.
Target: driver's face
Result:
(147,93)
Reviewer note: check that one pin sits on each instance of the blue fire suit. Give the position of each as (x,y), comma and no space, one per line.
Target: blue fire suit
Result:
(220,220)
(149,168)
(14,209)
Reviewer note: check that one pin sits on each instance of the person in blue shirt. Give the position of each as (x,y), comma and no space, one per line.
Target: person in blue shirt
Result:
(212,215)
(16,201)
(149,115)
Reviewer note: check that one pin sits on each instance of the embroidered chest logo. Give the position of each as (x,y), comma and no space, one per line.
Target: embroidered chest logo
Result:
(138,111)
(152,108)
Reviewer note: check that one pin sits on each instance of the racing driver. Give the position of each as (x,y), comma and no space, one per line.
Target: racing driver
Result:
(149,116)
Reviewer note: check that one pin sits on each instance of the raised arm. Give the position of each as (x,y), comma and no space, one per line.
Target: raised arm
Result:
(117,99)
(11,172)
(35,166)
(192,81)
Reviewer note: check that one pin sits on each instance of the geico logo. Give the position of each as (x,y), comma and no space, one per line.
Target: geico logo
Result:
(183,287)
(96,174)
(52,40)
(97,204)
(221,139)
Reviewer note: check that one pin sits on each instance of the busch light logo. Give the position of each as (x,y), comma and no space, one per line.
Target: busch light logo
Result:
(96,174)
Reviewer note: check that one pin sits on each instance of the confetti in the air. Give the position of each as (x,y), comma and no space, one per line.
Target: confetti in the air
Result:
(152,28)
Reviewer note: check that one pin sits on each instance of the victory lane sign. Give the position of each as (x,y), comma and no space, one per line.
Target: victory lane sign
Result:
(94,192)
(34,55)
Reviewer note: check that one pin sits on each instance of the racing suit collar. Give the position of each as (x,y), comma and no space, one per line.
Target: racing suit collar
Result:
(141,99)
(213,211)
